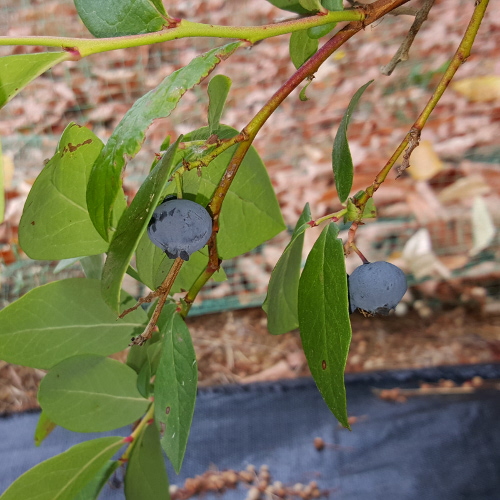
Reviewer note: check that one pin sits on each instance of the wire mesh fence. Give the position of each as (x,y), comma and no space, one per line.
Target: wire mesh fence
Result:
(439,225)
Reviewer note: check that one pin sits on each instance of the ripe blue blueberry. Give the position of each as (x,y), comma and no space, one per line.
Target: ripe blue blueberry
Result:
(376,287)
(180,227)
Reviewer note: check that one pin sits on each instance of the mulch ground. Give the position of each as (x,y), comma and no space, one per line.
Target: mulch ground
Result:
(435,195)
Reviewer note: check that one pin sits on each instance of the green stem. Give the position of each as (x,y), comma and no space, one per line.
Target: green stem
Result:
(413,136)
(372,13)
(335,215)
(184,29)
(205,160)
(137,432)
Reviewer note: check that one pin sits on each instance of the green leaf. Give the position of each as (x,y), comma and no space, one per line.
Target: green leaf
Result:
(311,5)
(92,266)
(159,6)
(353,211)
(317,32)
(250,213)
(333,5)
(91,393)
(93,488)
(62,319)
(17,71)
(302,47)
(343,169)
(120,17)
(131,226)
(218,90)
(146,476)
(175,386)
(65,263)
(303,95)
(43,428)
(153,266)
(281,304)
(2,189)
(127,138)
(289,5)
(325,328)
(62,477)
(55,223)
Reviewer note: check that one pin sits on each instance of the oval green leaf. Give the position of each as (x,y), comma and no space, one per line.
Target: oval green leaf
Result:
(250,213)
(127,138)
(120,17)
(43,428)
(146,476)
(281,304)
(132,225)
(343,169)
(325,328)
(93,488)
(62,319)
(302,47)
(63,477)
(175,386)
(311,5)
(289,5)
(333,5)
(90,393)
(218,90)
(17,71)
(55,223)
(317,32)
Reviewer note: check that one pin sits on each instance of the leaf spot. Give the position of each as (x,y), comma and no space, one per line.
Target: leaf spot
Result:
(167,410)
(323,365)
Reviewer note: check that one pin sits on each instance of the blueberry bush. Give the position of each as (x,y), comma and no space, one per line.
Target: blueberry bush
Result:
(207,198)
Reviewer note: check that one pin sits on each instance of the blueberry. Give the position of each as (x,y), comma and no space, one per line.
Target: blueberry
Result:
(376,287)
(180,227)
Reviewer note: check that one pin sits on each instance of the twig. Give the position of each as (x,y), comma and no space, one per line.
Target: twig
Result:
(372,12)
(410,141)
(162,292)
(403,52)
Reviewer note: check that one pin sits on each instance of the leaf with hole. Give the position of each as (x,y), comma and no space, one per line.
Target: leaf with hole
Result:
(55,223)
(121,17)
(65,475)
(19,70)
(343,169)
(325,328)
(281,304)
(127,138)
(175,385)
(62,319)
(91,393)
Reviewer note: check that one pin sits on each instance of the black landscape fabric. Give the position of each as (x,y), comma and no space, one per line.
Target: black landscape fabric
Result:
(432,447)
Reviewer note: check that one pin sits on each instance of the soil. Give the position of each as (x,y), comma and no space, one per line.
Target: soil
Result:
(235,347)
